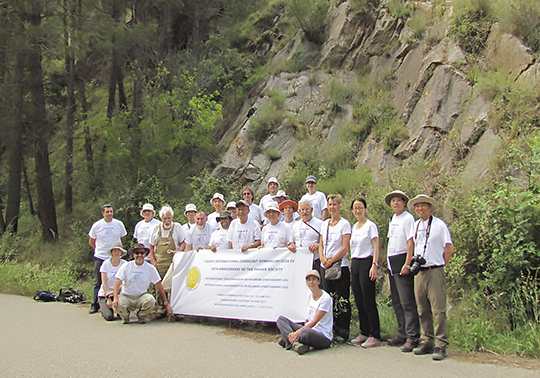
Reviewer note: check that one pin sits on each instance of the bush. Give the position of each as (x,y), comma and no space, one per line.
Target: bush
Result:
(267,118)
(311,16)
(472,24)
(522,18)
(399,8)
(339,93)
(364,6)
(272,154)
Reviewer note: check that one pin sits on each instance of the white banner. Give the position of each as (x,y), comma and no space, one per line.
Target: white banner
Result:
(260,284)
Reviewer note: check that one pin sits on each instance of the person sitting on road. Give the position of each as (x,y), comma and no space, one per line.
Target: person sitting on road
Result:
(108,271)
(133,279)
(317,330)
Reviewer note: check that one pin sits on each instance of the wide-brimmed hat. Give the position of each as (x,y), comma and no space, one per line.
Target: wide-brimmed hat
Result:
(313,272)
(273,179)
(117,245)
(271,206)
(311,178)
(217,195)
(139,246)
(395,193)
(224,214)
(288,203)
(148,206)
(280,194)
(230,205)
(190,207)
(422,198)
(242,202)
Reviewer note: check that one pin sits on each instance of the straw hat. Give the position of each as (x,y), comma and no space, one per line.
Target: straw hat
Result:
(422,198)
(395,193)
(117,245)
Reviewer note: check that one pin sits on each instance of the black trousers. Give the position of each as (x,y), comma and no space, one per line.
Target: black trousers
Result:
(365,297)
(339,290)
(307,336)
(404,304)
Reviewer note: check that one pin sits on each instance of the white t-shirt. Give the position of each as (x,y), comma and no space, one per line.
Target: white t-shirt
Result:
(178,235)
(399,232)
(290,225)
(304,236)
(318,201)
(188,226)
(439,236)
(265,200)
(324,303)
(211,220)
(255,212)
(143,231)
(243,234)
(111,271)
(334,242)
(136,279)
(105,234)
(361,240)
(200,238)
(275,236)
(219,239)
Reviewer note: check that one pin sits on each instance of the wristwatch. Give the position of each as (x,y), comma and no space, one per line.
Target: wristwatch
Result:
(165,303)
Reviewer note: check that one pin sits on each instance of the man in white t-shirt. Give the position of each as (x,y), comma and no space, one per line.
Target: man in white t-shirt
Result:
(218,202)
(219,240)
(102,235)
(190,213)
(244,233)
(306,232)
(199,236)
(134,279)
(433,244)
(317,199)
(275,234)
(144,228)
(255,211)
(400,250)
(273,186)
(231,208)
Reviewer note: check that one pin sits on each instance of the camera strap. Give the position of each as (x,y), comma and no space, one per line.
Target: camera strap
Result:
(428,230)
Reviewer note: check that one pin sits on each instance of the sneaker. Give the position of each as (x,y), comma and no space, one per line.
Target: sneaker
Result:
(371,343)
(160,315)
(395,342)
(178,318)
(423,349)
(282,343)
(439,354)
(300,348)
(408,347)
(359,340)
(339,339)
(93,309)
(125,321)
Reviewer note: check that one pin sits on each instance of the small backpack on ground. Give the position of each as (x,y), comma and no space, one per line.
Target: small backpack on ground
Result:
(46,296)
(70,295)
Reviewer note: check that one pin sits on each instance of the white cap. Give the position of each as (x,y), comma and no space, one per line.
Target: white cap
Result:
(231,204)
(217,195)
(148,206)
(280,193)
(190,207)
(272,206)
(273,179)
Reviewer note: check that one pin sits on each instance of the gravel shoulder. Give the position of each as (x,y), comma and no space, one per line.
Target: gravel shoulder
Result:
(62,340)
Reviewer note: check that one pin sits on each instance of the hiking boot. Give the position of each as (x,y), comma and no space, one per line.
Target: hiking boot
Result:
(408,347)
(178,318)
(423,349)
(125,321)
(371,343)
(339,339)
(93,309)
(359,340)
(439,354)
(160,315)
(282,343)
(395,342)
(300,348)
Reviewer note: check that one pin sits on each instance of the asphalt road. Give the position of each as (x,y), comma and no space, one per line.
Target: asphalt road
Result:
(62,340)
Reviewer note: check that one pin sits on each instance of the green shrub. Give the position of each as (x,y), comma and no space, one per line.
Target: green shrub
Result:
(399,8)
(311,17)
(339,93)
(364,6)
(472,24)
(344,182)
(267,118)
(272,154)
(522,18)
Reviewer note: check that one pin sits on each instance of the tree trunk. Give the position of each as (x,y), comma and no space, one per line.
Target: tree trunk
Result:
(27,188)
(46,205)
(114,78)
(70,119)
(17,125)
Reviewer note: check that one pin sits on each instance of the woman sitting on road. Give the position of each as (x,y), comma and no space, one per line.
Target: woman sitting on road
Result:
(317,330)
(108,270)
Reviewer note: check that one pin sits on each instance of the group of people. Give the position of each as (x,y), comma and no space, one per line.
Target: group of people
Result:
(344,257)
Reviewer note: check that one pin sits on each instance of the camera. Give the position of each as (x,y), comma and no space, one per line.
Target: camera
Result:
(416,262)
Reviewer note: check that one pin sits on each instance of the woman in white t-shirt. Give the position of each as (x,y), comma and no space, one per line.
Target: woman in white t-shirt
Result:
(108,271)
(364,263)
(334,248)
(317,330)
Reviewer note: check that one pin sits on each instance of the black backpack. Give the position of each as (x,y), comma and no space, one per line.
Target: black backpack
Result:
(46,296)
(70,295)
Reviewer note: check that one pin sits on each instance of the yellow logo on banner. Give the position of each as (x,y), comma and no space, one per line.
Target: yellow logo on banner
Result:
(192,279)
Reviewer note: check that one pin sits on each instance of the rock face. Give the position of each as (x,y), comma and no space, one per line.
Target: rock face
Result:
(446,121)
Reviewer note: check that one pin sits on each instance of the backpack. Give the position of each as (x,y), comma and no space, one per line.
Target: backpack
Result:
(46,296)
(70,295)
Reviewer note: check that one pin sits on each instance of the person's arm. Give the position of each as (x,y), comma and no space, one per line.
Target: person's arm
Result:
(116,290)
(321,252)
(292,247)
(104,284)
(255,244)
(92,242)
(410,250)
(161,291)
(324,214)
(188,247)
(122,238)
(152,255)
(346,238)
(374,268)
(230,245)
(448,252)
(318,316)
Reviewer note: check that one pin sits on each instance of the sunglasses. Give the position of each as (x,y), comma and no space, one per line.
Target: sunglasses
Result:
(139,252)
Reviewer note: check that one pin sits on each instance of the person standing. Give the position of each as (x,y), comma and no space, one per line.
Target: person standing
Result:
(289,208)
(275,234)
(165,241)
(273,186)
(231,208)
(306,233)
(199,236)
(255,211)
(334,245)
(244,233)
(144,228)
(317,199)
(189,213)
(364,263)
(218,240)
(433,244)
(218,201)
(102,235)
(400,251)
